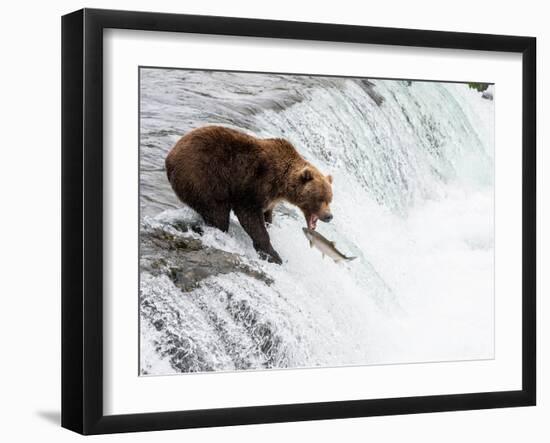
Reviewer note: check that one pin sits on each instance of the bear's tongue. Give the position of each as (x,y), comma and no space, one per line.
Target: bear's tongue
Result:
(312,222)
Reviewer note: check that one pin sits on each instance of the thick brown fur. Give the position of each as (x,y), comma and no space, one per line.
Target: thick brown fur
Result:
(215,169)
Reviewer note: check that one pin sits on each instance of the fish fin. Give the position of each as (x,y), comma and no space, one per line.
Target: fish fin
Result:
(310,244)
(332,243)
(350,258)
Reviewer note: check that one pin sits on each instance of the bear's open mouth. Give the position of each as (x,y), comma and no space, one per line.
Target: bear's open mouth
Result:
(312,222)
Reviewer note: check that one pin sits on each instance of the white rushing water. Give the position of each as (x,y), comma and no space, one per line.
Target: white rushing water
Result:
(413,200)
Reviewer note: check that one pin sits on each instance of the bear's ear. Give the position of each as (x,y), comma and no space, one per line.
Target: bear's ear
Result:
(306,175)
(329,178)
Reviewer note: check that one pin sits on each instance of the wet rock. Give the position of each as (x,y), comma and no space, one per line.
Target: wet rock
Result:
(180,254)
(368,87)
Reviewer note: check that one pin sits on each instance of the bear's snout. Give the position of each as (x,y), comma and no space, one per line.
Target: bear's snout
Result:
(326,217)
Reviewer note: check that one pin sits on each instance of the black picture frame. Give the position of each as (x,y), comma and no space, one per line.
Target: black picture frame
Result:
(82,220)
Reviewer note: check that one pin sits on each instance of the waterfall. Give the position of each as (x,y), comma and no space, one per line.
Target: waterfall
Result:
(413,199)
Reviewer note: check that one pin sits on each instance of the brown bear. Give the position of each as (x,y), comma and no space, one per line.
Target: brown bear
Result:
(215,169)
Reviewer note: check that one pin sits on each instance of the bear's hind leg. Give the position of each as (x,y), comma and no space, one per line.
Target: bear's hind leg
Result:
(252,220)
(216,216)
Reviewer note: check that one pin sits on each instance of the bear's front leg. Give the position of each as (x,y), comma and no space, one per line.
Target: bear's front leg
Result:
(268,216)
(252,220)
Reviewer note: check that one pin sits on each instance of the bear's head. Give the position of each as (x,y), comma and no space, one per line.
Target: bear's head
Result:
(313,195)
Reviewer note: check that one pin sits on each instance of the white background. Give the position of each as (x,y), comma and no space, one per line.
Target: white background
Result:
(126,392)
(30,220)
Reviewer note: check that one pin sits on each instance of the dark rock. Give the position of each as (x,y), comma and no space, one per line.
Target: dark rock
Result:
(185,259)
(368,87)
(158,324)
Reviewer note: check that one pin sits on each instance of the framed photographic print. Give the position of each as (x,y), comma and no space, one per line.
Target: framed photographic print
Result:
(269,221)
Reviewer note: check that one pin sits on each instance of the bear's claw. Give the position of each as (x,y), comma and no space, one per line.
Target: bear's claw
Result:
(271,257)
